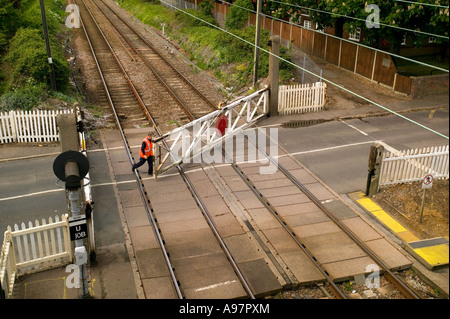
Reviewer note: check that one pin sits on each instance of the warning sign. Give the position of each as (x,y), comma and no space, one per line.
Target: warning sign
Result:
(77,227)
(427,182)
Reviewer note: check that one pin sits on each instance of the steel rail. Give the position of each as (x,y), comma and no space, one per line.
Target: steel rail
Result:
(199,202)
(162,57)
(154,71)
(401,286)
(335,289)
(142,191)
(158,77)
(211,223)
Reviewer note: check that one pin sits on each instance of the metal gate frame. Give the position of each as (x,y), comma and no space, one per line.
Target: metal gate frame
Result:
(209,130)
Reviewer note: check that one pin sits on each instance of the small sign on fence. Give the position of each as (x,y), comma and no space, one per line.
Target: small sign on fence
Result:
(77,227)
(427,183)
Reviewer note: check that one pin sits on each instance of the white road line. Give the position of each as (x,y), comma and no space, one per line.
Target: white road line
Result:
(357,129)
(331,148)
(31,194)
(61,189)
(386,146)
(389,148)
(27,157)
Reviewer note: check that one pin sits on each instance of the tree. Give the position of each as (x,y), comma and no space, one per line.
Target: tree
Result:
(9,22)
(331,13)
(238,15)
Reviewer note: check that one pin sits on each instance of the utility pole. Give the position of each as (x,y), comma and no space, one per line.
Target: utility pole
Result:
(47,43)
(257,36)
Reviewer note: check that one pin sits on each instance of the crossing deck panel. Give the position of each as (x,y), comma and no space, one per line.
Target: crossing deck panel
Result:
(263,250)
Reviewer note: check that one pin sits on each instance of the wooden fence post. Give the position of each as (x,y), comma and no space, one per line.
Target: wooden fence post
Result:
(12,118)
(274,74)
(373,178)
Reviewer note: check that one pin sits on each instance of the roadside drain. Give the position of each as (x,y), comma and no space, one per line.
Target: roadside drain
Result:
(296,124)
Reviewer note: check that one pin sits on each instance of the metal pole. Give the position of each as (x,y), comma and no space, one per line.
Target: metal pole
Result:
(257,36)
(75,209)
(76,200)
(304,65)
(47,44)
(422,207)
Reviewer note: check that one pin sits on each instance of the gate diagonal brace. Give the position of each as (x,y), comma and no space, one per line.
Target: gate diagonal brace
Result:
(189,141)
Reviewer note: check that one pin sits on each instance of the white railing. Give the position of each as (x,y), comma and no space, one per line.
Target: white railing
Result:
(8,267)
(34,248)
(412,165)
(301,98)
(29,126)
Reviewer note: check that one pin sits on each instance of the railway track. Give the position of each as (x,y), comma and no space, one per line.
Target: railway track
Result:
(194,103)
(121,49)
(113,71)
(396,281)
(246,173)
(125,98)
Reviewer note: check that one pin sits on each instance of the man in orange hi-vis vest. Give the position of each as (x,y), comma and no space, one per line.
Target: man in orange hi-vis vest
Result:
(146,154)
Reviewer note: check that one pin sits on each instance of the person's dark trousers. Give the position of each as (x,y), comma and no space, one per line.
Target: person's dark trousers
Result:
(141,162)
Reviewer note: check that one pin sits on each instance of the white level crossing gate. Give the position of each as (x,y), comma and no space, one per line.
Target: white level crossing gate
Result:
(301,98)
(412,165)
(191,140)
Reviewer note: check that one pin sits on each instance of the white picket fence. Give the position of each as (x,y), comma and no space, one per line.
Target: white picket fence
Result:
(29,126)
(301,98)
(412,165)
(34,248)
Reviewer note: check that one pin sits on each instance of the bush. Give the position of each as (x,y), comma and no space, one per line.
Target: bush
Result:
(28,58)
(190,21)
(209,47)
(31,14)
(24,98)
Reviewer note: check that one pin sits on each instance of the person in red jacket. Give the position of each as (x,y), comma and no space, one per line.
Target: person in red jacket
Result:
(146,154)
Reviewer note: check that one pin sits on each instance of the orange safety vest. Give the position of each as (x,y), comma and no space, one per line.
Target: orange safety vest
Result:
(148,148)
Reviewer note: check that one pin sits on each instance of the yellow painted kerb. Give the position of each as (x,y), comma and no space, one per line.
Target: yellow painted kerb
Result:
(379,213)
(434,255)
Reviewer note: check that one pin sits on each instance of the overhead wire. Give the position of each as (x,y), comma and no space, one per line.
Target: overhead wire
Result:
(347,40)
(423,4)
(312,73)
(362,20)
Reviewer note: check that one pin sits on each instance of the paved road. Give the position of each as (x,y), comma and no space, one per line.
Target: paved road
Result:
(28,192)
(21,179)
(337,151)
